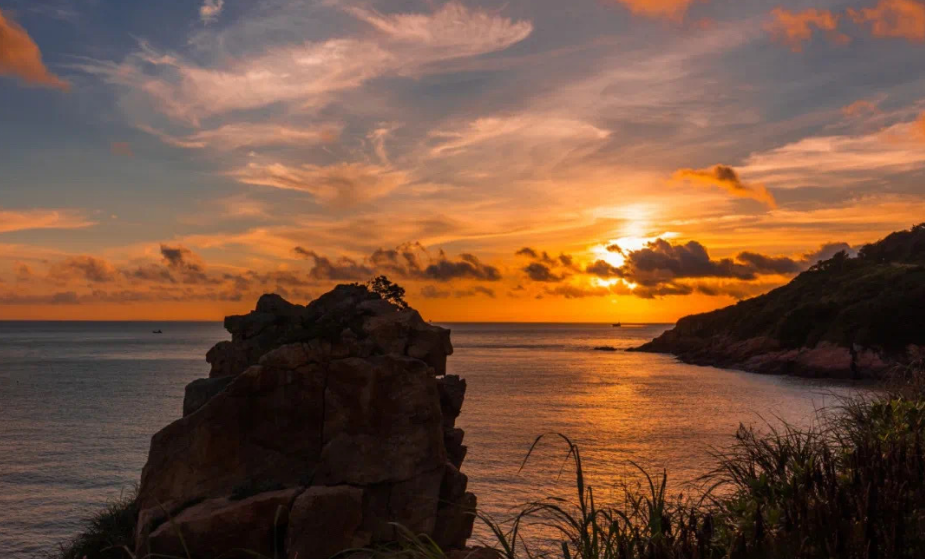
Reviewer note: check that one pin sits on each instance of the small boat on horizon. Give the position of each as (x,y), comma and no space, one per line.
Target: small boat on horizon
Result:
(617,325)
(156,332)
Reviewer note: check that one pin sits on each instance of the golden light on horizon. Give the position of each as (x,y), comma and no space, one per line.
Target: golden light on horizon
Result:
(529,201)
(614,251)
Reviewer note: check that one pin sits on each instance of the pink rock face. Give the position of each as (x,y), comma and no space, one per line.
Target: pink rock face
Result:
(339,403)
(869,360)
(826,356)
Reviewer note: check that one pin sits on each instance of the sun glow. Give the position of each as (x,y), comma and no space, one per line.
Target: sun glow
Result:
(611,282)
(614,251)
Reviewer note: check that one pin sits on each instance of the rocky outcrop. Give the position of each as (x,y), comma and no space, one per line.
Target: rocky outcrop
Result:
(320,428)
(202,390)
(767,356)
(846,317)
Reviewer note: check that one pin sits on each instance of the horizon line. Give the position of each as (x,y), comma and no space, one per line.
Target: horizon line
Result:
(144,320)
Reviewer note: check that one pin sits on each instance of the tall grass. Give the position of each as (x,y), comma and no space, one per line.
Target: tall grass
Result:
(107,535)
(853,486)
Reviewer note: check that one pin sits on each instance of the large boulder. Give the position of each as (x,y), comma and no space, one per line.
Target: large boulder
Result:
(337,402)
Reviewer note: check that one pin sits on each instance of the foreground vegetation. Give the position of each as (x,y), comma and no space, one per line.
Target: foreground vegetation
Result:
(108,534)
(850,487)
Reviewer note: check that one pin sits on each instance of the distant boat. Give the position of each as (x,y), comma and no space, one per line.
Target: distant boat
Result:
(156,332)
(617,325)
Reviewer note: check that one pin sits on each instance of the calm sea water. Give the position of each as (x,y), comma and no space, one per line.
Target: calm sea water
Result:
(80,401)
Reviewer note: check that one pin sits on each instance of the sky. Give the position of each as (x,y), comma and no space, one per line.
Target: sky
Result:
(518,160)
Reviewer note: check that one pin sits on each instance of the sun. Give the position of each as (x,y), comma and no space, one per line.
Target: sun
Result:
(614,251)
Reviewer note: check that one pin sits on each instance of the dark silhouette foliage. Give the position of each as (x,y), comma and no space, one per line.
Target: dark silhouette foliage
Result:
(109,534)
(391,292)
(874,300)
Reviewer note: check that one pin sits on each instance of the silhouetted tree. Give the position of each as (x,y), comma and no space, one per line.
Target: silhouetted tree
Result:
(389,291)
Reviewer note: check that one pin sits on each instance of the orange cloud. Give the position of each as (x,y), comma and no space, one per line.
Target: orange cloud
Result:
(860,108)
(121,148)
(795,28)
(340,185)
(84,268)
(904,19)
(20,57)
(210,10)
(725,177)
(670,9)
(306,75)
(25,220)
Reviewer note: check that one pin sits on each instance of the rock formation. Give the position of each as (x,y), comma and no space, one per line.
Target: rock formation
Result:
(320,428)
(847,317)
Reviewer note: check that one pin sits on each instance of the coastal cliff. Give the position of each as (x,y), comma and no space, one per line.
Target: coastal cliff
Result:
(321,428)
(846,317)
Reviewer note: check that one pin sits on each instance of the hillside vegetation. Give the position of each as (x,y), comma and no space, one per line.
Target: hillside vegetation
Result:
(874,301)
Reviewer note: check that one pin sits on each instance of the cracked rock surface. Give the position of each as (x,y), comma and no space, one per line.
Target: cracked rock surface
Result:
(320,427)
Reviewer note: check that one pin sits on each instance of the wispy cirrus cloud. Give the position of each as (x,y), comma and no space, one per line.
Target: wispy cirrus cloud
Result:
(303,75)
(24,220)
(21,58)
(306,74)
(341,184)
(251,135)
(453,31)
(840,160)
(533,128)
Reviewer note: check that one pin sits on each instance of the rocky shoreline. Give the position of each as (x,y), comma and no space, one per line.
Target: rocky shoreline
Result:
(320,428)
(767,356)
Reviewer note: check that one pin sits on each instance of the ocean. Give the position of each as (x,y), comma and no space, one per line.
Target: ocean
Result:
(79,402)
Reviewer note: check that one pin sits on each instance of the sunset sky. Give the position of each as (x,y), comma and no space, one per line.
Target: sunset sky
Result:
(517,160)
